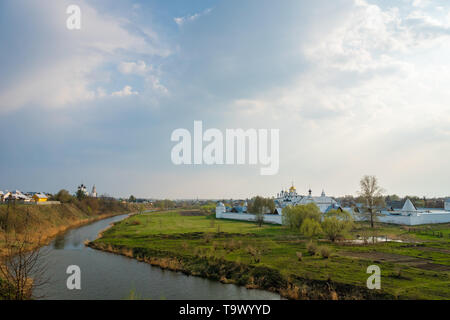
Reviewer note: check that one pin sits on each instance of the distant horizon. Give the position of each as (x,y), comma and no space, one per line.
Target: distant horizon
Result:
(220,198)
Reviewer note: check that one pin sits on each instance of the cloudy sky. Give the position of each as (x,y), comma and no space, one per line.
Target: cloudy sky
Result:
(356,87)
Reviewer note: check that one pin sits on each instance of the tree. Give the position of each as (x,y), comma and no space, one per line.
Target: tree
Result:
(164,204)
(81,192)
(261,205)
(371,194)
(132,199)
(310,228)
(259,218)
(63,196)
(293,216)
(336,224)
(21,264)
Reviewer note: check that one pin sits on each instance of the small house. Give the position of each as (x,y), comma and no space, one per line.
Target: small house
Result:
(40,197)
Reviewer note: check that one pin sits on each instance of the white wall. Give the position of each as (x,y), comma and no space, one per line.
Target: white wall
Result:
(416,220)
(427,218)
(268,218)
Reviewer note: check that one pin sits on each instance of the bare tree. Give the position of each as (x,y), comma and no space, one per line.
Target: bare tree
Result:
(259,218)
(21,264)
(371,193)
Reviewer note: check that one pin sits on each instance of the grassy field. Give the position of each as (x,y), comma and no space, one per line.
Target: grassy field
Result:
(267,257)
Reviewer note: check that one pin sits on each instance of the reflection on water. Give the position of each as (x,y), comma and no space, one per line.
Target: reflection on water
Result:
(59,242)
(362,240)
(109,276)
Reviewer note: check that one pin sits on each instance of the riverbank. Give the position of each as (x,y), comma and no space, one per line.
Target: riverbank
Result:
(251,277)
(43,223)
(36,226)
(268,257)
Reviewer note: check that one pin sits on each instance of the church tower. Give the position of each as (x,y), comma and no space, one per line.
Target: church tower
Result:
(94,192)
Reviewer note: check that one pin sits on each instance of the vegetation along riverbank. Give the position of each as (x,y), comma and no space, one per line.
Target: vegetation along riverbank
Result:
(283,260)
(24,228)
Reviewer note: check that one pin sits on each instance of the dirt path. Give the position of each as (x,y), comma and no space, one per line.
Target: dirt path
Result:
(397,258)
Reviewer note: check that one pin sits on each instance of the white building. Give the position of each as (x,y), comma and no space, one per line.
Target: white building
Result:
(15,195)
(220,210)
(83,189)
(292,198)
(410,215)
(94,192)
(447,204)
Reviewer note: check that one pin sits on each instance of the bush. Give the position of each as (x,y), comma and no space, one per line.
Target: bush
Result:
(299,256)
(325,252)
(255,253)
(311,247)
(310,228)
(336,224)
(207,237)
(63,196)
(267,278)
(293,217)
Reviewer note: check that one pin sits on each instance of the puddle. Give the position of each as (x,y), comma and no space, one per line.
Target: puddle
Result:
(361,240)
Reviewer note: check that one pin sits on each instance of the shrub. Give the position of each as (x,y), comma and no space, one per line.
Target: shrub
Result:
(310,228)
(232,245)
(267,278)
(293,217)
(311,247)
(255,253)
(325,252)
(336,224)
(299,256)
(63,196)
(207,238)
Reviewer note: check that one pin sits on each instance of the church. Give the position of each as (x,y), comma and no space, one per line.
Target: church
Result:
(292,198)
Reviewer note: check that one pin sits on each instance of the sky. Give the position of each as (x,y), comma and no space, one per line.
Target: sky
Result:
(356,87)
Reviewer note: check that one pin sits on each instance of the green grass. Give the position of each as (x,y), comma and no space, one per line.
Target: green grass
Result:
(192,237)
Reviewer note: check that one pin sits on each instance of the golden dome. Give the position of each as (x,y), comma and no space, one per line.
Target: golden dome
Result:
(292,189)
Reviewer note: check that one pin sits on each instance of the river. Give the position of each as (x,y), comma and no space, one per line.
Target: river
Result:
(110,276)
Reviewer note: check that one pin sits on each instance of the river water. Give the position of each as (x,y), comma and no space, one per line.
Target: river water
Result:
(110,276)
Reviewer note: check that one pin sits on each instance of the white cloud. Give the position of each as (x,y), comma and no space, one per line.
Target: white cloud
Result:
(375,93)
(126,91)
(189,18)
(150,76)
(67,74)
(139,68)
(420,3)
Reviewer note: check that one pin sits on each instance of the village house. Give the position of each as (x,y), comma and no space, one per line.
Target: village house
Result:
(40,197)
(15,195)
